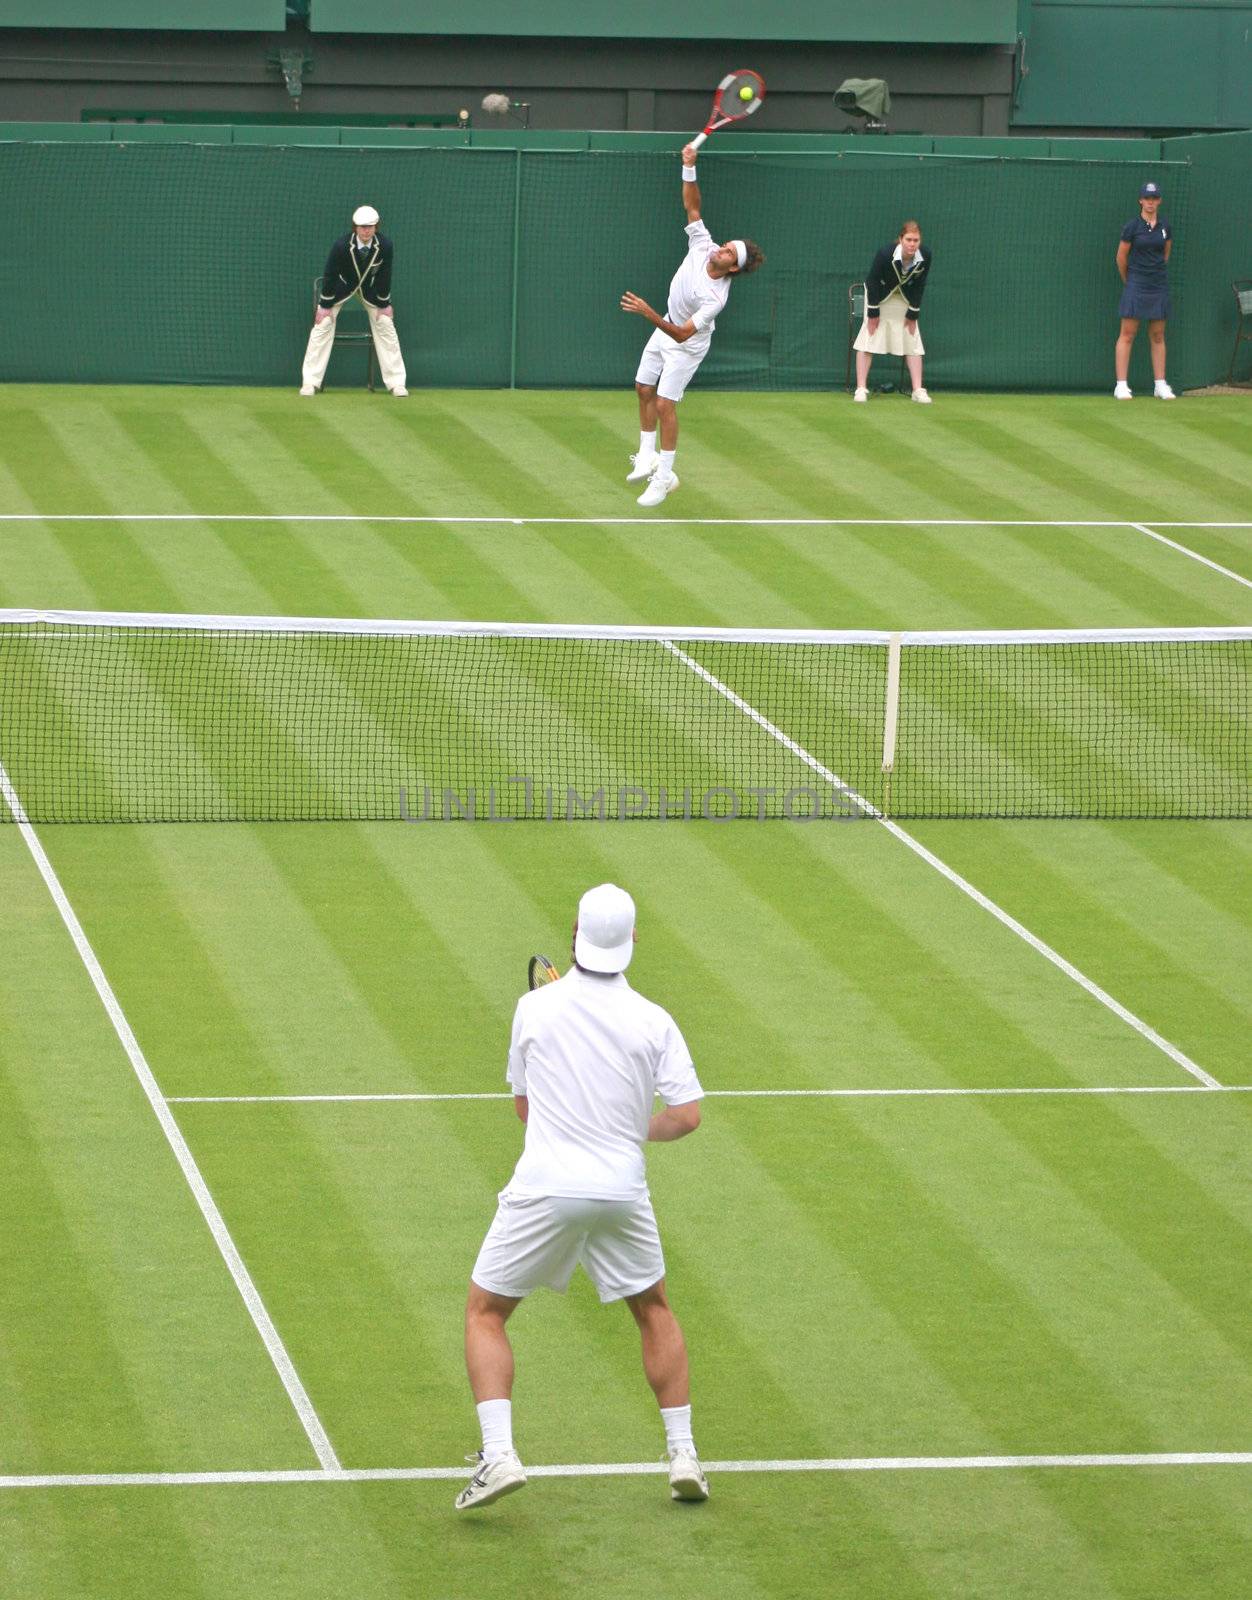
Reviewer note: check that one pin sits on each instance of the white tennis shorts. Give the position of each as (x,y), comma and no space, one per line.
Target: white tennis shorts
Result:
(668,365)
(537,1242)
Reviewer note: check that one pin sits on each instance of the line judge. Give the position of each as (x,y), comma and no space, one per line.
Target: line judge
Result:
(359,263)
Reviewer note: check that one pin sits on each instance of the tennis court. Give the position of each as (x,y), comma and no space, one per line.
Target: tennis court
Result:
(962,1246)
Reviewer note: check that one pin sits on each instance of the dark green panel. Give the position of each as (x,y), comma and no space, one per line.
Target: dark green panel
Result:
(1163,66)
(237,16)
(242,231)
(906,21)
(1214,253)
(242,317)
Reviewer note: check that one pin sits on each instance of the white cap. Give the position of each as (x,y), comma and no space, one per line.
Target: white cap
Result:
(365,216)
(605,940)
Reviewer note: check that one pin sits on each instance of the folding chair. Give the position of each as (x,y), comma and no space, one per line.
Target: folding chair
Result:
(1243,329)
(856,314)
(352,334)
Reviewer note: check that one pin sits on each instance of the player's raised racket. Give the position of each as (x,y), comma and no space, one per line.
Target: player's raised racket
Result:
(541,971)
(738,95)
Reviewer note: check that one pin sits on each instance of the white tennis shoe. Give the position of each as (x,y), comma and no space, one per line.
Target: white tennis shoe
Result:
(307,389)
(1162,391)
(401,393)
(861,396)
(660,484)
(642,466)
(1121,391)
(686,1477)
(922,398)
(492,1481)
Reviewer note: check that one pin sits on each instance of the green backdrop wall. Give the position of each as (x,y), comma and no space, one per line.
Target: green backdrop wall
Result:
(158,261)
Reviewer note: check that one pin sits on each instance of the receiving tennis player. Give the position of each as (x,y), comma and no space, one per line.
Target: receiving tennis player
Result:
(587,1060)
(697,294)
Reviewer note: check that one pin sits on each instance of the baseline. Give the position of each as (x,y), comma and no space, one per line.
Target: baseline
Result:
(601,522)
(631,1469)
(1226,572)
(261,1319)
(953,877)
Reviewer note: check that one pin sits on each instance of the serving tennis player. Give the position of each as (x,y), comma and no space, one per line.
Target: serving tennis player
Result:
(697,295)
(587,1060)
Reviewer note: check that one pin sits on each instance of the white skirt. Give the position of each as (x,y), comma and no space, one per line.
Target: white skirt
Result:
(892,337)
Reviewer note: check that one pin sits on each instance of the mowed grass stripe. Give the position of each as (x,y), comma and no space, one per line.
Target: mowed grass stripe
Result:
(388,566)
(1055,1202)
(283,559)
(49,470)
(1121,919)
(1198,488)
(123,1319)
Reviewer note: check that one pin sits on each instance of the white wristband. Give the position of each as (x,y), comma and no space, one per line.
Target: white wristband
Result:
(689,174)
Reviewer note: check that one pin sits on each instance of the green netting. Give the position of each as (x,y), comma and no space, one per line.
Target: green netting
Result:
(1218,252)
(194,263)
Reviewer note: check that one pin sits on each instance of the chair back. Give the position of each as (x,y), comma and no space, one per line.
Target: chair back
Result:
(856,302)
(353,320)
(1243,294)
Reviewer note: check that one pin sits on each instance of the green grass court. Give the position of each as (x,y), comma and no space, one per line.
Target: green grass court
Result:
(1010,1218)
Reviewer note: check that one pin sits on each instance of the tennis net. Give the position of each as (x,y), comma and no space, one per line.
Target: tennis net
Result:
(164,718)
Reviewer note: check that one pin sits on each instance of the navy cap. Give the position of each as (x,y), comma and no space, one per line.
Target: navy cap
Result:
(1150,191)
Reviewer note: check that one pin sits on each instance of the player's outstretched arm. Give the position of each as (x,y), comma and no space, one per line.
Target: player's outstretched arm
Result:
(691,189)
(641,308)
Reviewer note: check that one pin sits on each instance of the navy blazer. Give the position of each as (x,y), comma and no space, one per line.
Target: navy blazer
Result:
(340,279)
(884,276)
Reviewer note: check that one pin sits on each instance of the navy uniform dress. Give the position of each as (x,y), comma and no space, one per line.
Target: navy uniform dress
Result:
(1146,294)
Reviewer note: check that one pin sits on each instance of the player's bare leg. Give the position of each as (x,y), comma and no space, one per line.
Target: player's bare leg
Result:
(665,1365)
(914,365)
(664,478)
(489,1362)
(644,464)
(488,1353)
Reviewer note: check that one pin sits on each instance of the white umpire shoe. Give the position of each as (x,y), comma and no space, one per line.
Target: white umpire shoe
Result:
(1162,391)
(642,466)
(401,393)
(660,484)
(922,398)
(1121,391)
(861,396)
(492,1481)
(308,389)
(686,1477)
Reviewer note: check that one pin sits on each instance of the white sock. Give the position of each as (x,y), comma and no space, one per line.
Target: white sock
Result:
(677,1420)
(667,460)
(1162,383)
(647,443)
(495,1417)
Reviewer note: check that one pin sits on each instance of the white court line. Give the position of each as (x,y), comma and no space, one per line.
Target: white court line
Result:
(1195,555)
(628,1469)
(963,884)
(182,1154)
(602,522)
(717,1094)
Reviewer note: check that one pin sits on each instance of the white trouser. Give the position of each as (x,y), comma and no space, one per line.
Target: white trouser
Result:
(322,337)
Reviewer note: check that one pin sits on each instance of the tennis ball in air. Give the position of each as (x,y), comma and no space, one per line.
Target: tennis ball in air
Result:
(746,92)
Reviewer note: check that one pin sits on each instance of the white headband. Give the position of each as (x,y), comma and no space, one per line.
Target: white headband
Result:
(741,253)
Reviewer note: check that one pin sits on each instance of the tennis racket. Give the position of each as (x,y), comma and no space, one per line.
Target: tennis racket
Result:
(540,971)
(730,104)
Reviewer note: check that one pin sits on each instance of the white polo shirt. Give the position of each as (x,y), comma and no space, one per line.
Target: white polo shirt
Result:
(591,1055)
(693,295)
